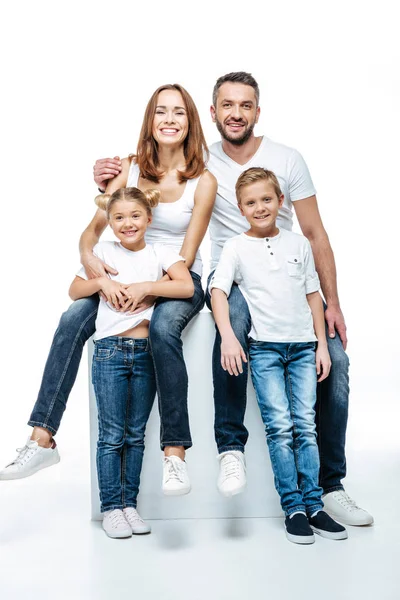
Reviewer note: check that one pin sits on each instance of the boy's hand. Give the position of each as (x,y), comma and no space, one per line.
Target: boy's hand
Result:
(135,294)
(323,361)
(232,355)
(113,292)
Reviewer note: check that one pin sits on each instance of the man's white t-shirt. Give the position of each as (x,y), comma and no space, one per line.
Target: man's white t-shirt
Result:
(291,171)
(274,276)
(133,267)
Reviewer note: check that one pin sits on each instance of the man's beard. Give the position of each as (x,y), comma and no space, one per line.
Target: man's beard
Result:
(235,141)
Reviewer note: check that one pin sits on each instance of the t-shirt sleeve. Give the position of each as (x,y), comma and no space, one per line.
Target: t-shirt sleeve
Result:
(167,256)
(299,178)
(227,270)
(97,251)
(312,279)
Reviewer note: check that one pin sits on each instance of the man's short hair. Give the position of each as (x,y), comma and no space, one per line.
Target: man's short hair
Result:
(257,174)
(236,77)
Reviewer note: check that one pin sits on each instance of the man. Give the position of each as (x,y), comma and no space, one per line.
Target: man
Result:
(235,111)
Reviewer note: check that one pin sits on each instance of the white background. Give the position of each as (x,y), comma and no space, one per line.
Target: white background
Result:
(75,80)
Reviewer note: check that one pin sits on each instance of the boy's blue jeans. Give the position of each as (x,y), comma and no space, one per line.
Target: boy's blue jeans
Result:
(331,408)
(77,325)
(125,387)
(284,378)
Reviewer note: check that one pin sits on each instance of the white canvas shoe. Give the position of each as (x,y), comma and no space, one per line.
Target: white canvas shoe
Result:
(138,526)
(115,525)
(343,508)
(31,458)
(232,473)
(175,477)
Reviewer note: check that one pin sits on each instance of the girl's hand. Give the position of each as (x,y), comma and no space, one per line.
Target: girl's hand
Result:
(323,361)
(146,303)
(135,294)
(113,292)
(232,355)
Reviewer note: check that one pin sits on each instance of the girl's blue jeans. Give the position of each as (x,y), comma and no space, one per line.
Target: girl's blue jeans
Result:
(125,386)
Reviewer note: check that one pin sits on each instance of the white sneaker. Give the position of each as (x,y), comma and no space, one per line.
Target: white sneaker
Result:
(232,473)
(31,458)
(135,521)
(115,525)
(343,508)
(175,477)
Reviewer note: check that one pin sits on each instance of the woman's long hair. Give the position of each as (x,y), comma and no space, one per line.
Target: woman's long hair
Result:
(194,146)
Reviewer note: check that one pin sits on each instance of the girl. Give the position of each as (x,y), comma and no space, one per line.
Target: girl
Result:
(122,370)
(169,157)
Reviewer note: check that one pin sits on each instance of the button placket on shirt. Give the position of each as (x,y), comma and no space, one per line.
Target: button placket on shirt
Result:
(271,254)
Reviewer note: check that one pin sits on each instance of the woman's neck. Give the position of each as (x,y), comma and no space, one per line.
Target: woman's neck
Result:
(171,159)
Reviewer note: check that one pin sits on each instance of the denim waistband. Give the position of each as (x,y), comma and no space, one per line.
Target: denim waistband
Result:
(124,342)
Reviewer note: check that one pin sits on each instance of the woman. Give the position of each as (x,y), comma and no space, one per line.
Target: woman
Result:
(170,158)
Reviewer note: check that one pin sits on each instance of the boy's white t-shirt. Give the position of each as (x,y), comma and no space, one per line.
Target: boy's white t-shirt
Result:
(291,171)
(133,267)
(274,275)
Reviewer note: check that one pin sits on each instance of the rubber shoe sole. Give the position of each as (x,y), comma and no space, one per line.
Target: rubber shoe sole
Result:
(21,474)
(300,539)
(330,535)
(368,520)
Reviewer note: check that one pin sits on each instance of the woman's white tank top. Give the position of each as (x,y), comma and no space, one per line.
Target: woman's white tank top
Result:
(170,219)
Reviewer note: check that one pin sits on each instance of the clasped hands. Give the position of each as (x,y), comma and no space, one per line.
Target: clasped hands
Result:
(126,298)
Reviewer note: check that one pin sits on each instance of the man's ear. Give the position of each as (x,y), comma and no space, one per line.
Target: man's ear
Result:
(257,114)
(212,112)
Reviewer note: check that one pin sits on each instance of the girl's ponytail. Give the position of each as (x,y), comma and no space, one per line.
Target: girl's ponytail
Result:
(102,201)
(152,197)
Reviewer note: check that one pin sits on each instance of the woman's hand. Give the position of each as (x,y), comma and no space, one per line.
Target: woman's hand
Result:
(113,292)
(95,267)
(135,294)
(232,355)
(323,361)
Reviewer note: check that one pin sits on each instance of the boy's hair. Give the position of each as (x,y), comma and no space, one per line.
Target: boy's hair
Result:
(256,174)
(148,199)
(236,77)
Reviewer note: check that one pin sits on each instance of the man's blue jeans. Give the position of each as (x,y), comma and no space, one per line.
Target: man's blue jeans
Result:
(125,387)
(284,378)
(331,408)
(77,325)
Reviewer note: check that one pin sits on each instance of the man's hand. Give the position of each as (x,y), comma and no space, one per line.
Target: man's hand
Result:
(335,320)
(135,294)
(113,292)
(95,267)
(105,169)
(232,355)
(323,361)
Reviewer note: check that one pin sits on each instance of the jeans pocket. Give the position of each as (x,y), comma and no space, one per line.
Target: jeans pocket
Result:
(104,353)
(295,265)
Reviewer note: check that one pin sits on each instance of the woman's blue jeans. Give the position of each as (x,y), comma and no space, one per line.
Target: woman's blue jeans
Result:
(125,387)
(77,325)
(332,399)
(285,380)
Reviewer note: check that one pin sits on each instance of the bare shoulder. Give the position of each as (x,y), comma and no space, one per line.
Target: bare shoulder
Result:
(208,182)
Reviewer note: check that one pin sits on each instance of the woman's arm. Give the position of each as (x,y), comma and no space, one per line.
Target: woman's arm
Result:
(322,358)
(204,199)
(93,266)
(179,285)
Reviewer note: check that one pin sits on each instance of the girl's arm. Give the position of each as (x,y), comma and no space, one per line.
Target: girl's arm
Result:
(204,199)
(113,291)
(93,266)
(322,358)
(179,285)
(232,352)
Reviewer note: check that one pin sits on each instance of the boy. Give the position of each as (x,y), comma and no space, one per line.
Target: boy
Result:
(276,274)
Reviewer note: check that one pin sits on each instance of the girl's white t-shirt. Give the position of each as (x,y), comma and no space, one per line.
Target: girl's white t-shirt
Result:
(133,267)
(170,219)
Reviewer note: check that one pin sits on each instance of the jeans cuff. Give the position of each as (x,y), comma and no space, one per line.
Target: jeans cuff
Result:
(112,507)
(43,425)
(290,511)
(334,488)
(314,508)
(186,445)
(230,449)
(129,505)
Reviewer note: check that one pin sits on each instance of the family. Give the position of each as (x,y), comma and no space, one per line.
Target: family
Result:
(137,294)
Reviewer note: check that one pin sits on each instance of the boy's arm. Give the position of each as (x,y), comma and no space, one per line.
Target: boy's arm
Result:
(93,266)
(232,352)
(322,358)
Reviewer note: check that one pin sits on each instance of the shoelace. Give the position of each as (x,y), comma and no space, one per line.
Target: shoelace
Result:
(117,518)
(175,470)
(344,499)
(230,465)
(24,455)
(133,516)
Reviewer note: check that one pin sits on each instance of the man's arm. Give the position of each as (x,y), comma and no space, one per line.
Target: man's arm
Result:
(312,227)
(94,267)
(106,169)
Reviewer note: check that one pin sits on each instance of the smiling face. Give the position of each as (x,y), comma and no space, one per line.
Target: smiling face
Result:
(170,122)
(129,221)
(260,204)
(236,112)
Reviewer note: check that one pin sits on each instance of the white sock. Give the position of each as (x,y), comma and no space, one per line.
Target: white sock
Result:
(298,512)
